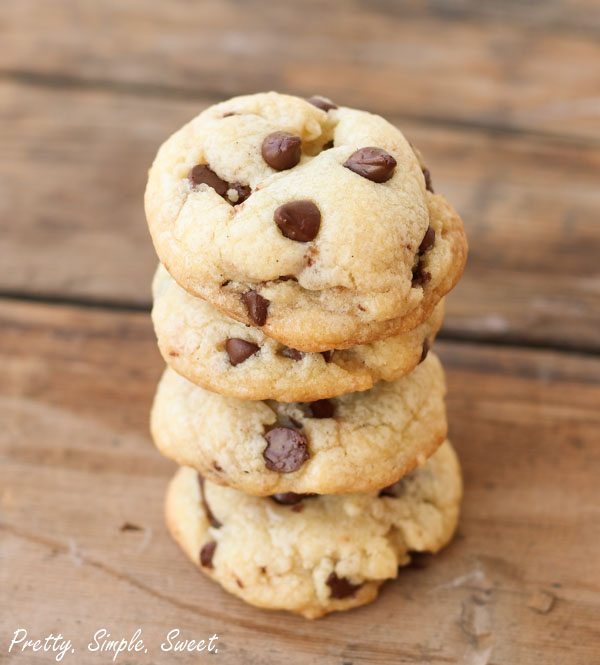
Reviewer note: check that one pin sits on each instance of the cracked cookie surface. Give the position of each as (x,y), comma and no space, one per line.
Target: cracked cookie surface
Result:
(314,555)
(352,443)
(223,355)
(315,225)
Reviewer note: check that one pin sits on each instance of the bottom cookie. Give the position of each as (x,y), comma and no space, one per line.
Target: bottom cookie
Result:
(314,554)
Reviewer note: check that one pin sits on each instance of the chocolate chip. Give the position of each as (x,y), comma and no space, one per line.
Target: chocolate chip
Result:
(207,552)
(373,164)
(328,355)
(425,350)
(287,278)
(289,498)
(328,145)
(428,240)
(256,307)
(213,521)
(298,220)
(242,191)
(294,354)
(281,150)
(239,350)
(202,175)
(287,450)
(419,275)
(427,176)
(323,103)
(322,408)
(341,587)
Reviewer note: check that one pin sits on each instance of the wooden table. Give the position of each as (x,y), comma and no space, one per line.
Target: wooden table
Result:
(503,100)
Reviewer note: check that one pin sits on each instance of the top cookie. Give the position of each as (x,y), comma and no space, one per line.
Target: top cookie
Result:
(313,223)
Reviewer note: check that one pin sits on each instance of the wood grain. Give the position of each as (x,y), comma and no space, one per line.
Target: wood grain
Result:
(72,183)
(519,584)
(531,66)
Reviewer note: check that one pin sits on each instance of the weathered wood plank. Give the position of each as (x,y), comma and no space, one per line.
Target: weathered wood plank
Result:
(528,65)
(518,585)
(559,15)
(72,180)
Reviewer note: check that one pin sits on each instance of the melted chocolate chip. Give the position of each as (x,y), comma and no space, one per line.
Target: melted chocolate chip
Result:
(287,450)
(322,408)
(425,350)
(373,164)
(287,278)
(328,145)
(298,220)
(213,521)
(202,175)
(289,498)
(281,150)
(207,552)
(428,240)
(323,103)
(239,350)
(427,176)
(294,354)
(341,587)
(242,191)
(256,307)
(419,275)
(328,355)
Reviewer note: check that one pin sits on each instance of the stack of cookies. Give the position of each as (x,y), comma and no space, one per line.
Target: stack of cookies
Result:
(304,261)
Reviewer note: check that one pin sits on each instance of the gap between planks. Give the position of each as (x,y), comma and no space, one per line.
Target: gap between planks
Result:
(160,91)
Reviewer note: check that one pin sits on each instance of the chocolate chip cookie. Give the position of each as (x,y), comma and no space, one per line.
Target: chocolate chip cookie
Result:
(312,222)
(314,554)
(352,443)
(233,359)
